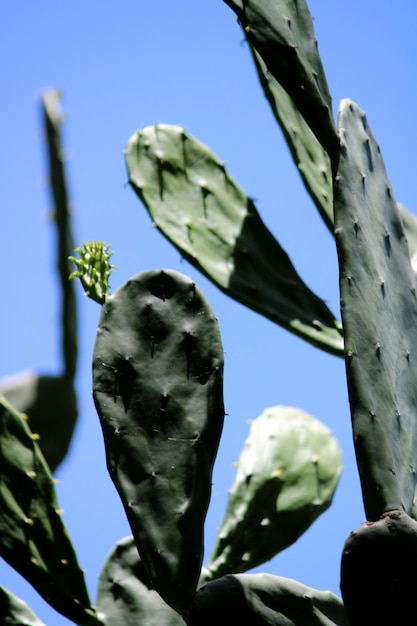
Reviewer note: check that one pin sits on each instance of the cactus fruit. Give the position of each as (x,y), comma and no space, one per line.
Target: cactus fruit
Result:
(34,539)
(379,312)
(379,571)
(195,203)
(282,33)
(263,600)
(286,477)
(157,382)
(125,595)
(93,269)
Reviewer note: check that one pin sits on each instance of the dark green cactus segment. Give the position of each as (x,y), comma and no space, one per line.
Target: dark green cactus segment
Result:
(282,33)
(50,403)
(379,571)
(15,612)
(286,477)
(158,389)
(53,119)
(196,204)
(33,538)
(125,595)
(264,600)
(312,161)
(379,312)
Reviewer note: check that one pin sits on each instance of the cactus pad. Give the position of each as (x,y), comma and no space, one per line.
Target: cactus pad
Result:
(34,540)
(282,33)
(286,477)
(158,372)
(125,595)
(264,600)
(196,204)
(379,312)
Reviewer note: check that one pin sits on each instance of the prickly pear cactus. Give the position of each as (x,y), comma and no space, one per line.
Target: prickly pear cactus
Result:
(379,312)
(157,379)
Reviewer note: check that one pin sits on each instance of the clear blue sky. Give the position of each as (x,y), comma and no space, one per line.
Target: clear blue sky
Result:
(125,65)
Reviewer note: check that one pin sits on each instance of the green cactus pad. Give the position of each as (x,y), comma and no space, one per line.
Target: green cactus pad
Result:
(15,612)
(282,33)
(33,538)
(195,203)
(312,161)
(50,403)
(264,600)
(158,389)
(125,595)
(379,312)
(286,477)
(379,571)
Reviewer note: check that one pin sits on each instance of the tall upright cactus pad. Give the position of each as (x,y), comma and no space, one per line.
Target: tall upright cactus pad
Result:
(283,34)
(264,600)
(50,400)
(286,477)
(33,538)
(157,379)
(197,205)
(52,119)
(379,312)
